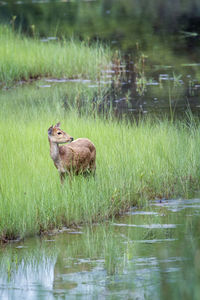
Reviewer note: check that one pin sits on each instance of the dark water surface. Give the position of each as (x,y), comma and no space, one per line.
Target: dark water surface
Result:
(153,253)
(159,41)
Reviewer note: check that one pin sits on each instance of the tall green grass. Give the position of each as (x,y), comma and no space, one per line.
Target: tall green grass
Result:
(135,163)
(25,58)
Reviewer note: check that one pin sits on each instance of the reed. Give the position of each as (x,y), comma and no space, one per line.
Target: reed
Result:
(135,163)
(23,58)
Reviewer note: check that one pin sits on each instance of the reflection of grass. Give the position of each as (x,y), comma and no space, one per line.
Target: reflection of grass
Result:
(134,163)
(114,250)
(25,58)
(115,254)
(184,284)
(141,80)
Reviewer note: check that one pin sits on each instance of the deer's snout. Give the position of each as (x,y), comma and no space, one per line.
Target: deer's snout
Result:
(71,139)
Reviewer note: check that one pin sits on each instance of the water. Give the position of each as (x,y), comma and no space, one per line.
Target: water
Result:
(151,253)
(159,42)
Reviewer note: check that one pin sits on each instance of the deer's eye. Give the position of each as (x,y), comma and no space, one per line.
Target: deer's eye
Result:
(59,132)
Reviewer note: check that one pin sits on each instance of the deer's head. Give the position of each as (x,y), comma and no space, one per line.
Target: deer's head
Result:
(58,136)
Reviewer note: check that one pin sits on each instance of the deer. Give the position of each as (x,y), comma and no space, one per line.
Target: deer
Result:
(76,157)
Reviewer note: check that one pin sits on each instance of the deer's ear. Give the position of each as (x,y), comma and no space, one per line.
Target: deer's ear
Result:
(50,130)
(57,125)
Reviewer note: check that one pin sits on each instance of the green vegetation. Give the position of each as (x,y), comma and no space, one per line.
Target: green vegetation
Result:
(22,58)
(135,162)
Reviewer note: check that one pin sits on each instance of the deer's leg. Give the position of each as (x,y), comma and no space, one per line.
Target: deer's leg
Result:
(94,170)
(62,177)
(93,167)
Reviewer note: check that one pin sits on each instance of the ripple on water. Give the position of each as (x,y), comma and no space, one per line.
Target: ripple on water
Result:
(150,226)
(45,86)
(155,261)
(75,232)
(142,213)
(176,205)
(61,80)
(154,241)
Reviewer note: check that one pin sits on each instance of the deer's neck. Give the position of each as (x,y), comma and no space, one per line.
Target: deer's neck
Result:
(54,152)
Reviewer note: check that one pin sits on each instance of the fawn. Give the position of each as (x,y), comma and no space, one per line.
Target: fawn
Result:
(77,157)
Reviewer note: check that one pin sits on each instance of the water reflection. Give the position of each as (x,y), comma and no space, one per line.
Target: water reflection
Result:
(123,98)
(143,262)
(159,43)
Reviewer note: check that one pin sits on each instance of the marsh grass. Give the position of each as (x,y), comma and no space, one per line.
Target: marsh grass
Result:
(135,163)
(23,58)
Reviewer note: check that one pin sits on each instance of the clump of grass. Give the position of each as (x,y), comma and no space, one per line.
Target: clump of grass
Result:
(25,58)
(135,163)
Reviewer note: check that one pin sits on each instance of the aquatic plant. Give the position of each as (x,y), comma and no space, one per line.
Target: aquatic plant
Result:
(23,58)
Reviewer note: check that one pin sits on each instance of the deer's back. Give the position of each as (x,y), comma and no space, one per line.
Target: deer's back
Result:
(83,143)
(78,154)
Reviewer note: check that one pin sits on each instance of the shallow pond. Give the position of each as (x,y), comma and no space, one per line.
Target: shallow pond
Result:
(150,253)
(159,42)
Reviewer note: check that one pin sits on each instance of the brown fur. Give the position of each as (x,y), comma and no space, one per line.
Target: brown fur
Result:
(77,157)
